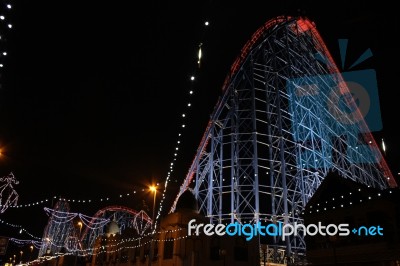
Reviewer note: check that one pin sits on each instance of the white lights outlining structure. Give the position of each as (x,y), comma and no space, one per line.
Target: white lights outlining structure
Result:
(8,195)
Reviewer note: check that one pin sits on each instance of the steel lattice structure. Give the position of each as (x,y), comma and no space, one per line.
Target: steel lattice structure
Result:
(277,130)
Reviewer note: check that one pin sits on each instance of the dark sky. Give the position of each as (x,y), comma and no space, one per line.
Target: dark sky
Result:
(92,92)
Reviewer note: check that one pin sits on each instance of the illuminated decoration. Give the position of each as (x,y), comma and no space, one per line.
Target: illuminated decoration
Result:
(66,217)
(30,204)
(24,242)
(82,201)
(123,216)
(8,195)
(60,231)
(276,132)
(57,230)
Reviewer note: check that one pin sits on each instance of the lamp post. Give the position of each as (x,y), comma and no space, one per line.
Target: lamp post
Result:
(80,224)
(154,190)
(30,254)
(20,259)
(80,228)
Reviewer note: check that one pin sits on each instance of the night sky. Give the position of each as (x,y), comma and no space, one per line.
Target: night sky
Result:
(92,92)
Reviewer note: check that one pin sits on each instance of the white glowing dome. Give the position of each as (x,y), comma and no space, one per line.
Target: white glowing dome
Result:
(112,229)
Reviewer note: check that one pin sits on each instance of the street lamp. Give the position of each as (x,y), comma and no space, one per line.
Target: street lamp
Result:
(153,189)
(80,227)
(20,259)
(30,255)
(80,224)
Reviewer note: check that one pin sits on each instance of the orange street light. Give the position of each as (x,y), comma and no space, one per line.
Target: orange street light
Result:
(80,226)
(30,255)
(153,189)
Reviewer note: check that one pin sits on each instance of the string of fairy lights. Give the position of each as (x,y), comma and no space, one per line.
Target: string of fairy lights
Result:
(5,20)
(112,242)
(185,115)
(350,199)
(103,249)
(97,200)
(21,229)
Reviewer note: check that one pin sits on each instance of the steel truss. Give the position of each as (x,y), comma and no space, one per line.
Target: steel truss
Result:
(276,132)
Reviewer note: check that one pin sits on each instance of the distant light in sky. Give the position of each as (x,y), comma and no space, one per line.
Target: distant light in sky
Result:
(4,53)
(1,65)
(199,55)
(183,115)
(183,125)
(9,6)
(189,104)
(10,26)
(192,78)
(383,146)
(206,23)
(191,92)
(2,17)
